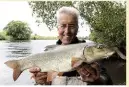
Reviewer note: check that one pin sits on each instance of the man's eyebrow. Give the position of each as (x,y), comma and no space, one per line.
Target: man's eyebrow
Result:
(63,24)
(68,24)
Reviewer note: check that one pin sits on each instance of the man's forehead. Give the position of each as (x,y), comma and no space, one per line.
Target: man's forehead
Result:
(67,19)
(69,22)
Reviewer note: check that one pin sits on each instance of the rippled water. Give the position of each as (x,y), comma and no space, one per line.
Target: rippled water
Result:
(10,50)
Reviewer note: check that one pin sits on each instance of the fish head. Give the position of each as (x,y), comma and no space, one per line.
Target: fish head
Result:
(97,52)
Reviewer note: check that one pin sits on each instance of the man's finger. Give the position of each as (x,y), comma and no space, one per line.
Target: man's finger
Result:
(34,69)
(39,74)
(89,69)
(87,78)
(41,80)
(95,65)
(32,77)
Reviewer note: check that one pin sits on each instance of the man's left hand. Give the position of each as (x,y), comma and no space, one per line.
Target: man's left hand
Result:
(89,72)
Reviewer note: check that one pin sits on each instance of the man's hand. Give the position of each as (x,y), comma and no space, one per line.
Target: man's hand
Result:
(89,73)
(40,77)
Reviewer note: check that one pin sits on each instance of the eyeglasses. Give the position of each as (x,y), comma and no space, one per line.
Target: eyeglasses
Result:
(70,26)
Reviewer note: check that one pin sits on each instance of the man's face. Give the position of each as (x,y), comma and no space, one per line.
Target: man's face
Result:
(67,28)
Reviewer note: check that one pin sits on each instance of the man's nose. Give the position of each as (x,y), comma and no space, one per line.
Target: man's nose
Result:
(67,29)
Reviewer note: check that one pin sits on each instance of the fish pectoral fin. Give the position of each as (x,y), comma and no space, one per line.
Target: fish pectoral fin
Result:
(76,62)
(51,75)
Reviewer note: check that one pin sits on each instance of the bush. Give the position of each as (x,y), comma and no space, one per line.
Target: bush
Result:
(18,30)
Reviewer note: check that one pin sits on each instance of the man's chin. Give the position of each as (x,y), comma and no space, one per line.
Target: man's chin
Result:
(66,43)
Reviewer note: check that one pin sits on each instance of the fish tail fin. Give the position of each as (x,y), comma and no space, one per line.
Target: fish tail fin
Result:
(16,68)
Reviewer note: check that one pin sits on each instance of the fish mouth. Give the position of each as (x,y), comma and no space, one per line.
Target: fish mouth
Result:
(109,54)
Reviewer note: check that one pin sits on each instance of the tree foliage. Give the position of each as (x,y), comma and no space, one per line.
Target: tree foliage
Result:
(46,10)
(18,30)
(106,18)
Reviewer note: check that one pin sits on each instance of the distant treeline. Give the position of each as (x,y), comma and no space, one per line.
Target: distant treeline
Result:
(3,36)
(37,37)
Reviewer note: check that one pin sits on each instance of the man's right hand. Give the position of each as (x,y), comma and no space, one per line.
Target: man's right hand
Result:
(40,77)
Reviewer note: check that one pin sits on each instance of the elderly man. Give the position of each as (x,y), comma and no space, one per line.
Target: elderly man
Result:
(67,21)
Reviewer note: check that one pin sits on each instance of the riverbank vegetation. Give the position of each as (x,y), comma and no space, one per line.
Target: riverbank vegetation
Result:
(38,37)
(3,36)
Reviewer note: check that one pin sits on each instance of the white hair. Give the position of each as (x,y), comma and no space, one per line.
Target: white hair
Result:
(67,10)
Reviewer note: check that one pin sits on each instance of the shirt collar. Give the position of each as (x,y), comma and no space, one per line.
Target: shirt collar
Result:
(73,42)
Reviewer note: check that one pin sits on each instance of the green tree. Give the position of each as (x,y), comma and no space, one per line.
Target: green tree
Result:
(18,30)
(107,20)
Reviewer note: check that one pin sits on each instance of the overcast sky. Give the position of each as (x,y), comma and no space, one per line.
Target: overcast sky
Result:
(20,10)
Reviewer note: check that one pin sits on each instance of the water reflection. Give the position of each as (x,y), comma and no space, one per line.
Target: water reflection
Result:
(18,49)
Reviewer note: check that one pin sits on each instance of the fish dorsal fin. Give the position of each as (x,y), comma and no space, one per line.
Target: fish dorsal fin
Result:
(50,47)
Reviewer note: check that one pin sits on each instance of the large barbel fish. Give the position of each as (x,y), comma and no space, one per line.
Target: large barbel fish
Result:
(62,58)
